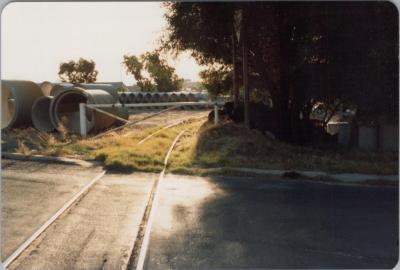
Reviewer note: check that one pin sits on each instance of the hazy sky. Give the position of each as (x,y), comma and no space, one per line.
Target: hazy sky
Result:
(37,37)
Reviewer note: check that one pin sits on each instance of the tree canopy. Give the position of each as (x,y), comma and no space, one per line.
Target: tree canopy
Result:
(300,53)
(81,71)
(217,80)
(161,76)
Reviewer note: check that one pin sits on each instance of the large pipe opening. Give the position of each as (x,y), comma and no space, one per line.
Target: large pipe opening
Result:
(123,98)
(41,116)
(191,97)
(183,97)
(132,98)
(139,98)
(156,97)
(174,97)
(147,98)
(66,111)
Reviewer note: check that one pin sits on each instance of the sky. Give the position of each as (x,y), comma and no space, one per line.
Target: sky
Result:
(37,36)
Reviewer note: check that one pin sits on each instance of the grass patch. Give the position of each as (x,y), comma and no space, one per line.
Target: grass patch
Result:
(116,152)
(203,147)
(231,145)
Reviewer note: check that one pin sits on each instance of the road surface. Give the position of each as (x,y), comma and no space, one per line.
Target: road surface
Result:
(31,193)
(228,222)
(98,232)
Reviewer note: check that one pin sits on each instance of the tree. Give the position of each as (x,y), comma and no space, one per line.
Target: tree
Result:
(217,80)
(82,71)
(161,76)
(300,53)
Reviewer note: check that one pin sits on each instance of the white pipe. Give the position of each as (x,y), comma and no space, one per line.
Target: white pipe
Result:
(163,104)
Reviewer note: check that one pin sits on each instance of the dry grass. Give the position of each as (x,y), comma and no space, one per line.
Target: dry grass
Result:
(230,145)
(116,152)
(202,147)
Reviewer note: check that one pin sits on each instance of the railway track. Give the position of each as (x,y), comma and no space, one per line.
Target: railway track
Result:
(138,252)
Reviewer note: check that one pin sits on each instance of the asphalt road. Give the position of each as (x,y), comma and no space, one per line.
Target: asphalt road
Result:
(31,192)
(228,222)
(96,233)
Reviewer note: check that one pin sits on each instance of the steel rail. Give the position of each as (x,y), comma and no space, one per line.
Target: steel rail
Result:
(180,121)
(133,122)
(154,203)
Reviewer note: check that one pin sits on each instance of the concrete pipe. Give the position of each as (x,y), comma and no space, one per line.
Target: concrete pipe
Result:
(64,110)
(139,97)
(147,98)
(156,98)
(164,97)
(192,98)
(183,98)
(60,87)
(17,98)
(132,98)
(201,96)
(123,98)
(173,97)
(111,89)
(123,113)
(46,87)
(41,114)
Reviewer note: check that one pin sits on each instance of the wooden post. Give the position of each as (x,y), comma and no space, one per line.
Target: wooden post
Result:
(245,71)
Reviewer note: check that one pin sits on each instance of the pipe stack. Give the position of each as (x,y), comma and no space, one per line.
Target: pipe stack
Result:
(50,107)
(17,98)
(156,97)
(55,106)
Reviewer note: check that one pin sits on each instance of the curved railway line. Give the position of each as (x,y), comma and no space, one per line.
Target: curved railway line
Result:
(139,248)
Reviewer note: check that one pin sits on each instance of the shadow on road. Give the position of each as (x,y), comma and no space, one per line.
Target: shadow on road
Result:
(227,222)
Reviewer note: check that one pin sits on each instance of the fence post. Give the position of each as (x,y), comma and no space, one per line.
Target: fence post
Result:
(82,118)
(215,114)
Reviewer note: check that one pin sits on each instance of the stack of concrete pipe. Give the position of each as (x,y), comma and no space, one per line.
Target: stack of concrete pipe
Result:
(50,107)
(156,97)
(17,98)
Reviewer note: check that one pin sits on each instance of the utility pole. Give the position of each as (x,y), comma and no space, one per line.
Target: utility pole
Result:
(235,90)
(245,70)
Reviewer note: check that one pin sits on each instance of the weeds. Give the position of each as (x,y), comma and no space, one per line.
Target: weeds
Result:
(231,145)
(204,146)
